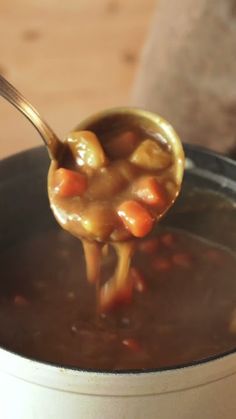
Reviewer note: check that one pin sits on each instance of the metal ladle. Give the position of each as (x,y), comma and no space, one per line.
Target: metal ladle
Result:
(11,94)
(102,124)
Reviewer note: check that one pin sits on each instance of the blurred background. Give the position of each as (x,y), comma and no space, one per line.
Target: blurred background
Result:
(75,57)
(69,58)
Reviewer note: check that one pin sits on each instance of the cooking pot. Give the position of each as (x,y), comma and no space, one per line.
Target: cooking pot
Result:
(34,390)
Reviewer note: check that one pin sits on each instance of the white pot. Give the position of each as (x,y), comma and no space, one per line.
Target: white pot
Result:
(33,390)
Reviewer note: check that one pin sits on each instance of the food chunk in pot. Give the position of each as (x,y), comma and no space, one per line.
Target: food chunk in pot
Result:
(87,149)
(122,145)
(106,183)
(136,218)
(148,190)
(151,155)
(68,183)
(99,220)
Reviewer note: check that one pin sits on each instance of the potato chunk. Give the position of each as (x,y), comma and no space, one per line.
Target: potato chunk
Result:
(150,155)
(87,149)
(99,220)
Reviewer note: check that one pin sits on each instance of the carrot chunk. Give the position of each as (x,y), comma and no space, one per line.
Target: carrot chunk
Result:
(20,301)
(162,264)
(168,240)
(184,260)
(149,246)
(122,145)
(68,183)
(150,191)
(135,218)
(132,344)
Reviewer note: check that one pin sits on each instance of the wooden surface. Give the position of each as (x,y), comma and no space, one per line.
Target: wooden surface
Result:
(69,58)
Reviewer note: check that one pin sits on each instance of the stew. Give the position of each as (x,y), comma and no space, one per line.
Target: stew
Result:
(112,192)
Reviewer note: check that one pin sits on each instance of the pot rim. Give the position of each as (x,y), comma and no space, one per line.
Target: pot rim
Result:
(131,371)
(111,383)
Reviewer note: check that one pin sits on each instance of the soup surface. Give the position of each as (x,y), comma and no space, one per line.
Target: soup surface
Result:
(183,306)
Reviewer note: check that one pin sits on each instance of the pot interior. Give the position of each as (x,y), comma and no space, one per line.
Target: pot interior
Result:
(24,207)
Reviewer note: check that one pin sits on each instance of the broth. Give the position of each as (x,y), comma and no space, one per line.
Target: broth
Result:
(183,307)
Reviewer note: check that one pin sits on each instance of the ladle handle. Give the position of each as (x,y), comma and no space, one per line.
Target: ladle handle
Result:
(10,93)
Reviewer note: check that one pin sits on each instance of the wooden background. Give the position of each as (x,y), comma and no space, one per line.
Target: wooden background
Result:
(69,58)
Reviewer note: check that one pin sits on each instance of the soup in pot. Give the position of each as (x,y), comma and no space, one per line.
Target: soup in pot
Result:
(182,307)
